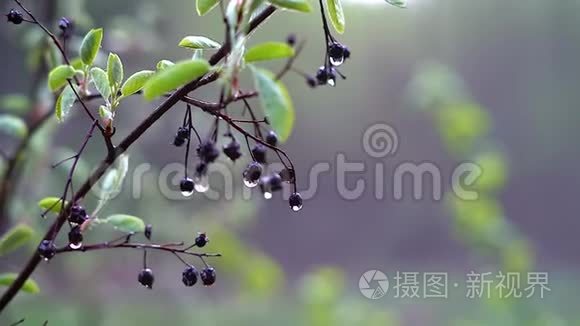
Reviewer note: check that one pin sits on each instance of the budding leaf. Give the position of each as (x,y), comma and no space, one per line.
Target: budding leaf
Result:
(15,238)
(276,102)
(29,286)
(101,81)
(398,3)
(64,103)
(198,42)
(173,77)
(298,5)
(269,51)
(205,6)
(136,82)
(164,64)
(53,204)
(336,14)
(90,46)
(114,70)
(126,223)
(13,125)
(59,76)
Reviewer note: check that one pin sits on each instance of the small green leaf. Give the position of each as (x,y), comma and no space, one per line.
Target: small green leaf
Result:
(173,77)
(77,63)
(198,42)
(54,204)
(269,51)
(336,14)
(114,70)
(136,82)
(64,103)
(15,238)
(105,113)
(30,286)
(126,223)
(90,46)
(101,81)
(398,3)
(205,6)
(15,103)
(164,64)
(13,125)
(58,77)
(113,181)
(276,102)
(298,5)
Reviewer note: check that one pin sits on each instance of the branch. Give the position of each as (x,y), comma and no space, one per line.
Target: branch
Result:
(35,259)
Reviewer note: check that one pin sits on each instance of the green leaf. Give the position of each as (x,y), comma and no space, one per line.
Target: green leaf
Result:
(336,14)
(136,82)
(101,81)
(105,113)
(398,3)
(30,286)
(269,51)
(276,102)
(90,46)
(113,181)
(58,77)
(64,103)
(15,103)
(15,238)
(205,6)
(164,64)
(126,223)
(114,70)
(54,204)
(298,5)
(13,125)
(198,42)
(173,77)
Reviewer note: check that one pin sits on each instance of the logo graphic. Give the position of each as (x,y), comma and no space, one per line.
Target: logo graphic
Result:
(373,284)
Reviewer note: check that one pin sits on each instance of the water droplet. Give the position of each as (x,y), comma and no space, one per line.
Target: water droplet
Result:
(45,259)
(296,208)
(187,193)
(336,61)
(331,82)
(201,184)
(250,184)
(268,195)
(75,246)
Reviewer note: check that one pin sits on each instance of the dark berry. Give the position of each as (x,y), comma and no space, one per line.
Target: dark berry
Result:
(346,53)
(47,249)
(189,276)
(183,132)
(252,174)
(78,215)
(336,53)
(146,278)
(15,17)
(64,24)
(148,230)
(178,142)
(208,276)
(186,185)
(75,236)
(275,182)
(208,152)
(322,75)
(295,202)
(287,175)
(201,240)
(311,81)
(291,39)
(233,150)
(272,138)
(259,153)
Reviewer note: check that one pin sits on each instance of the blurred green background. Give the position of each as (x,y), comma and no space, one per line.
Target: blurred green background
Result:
(494,82)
